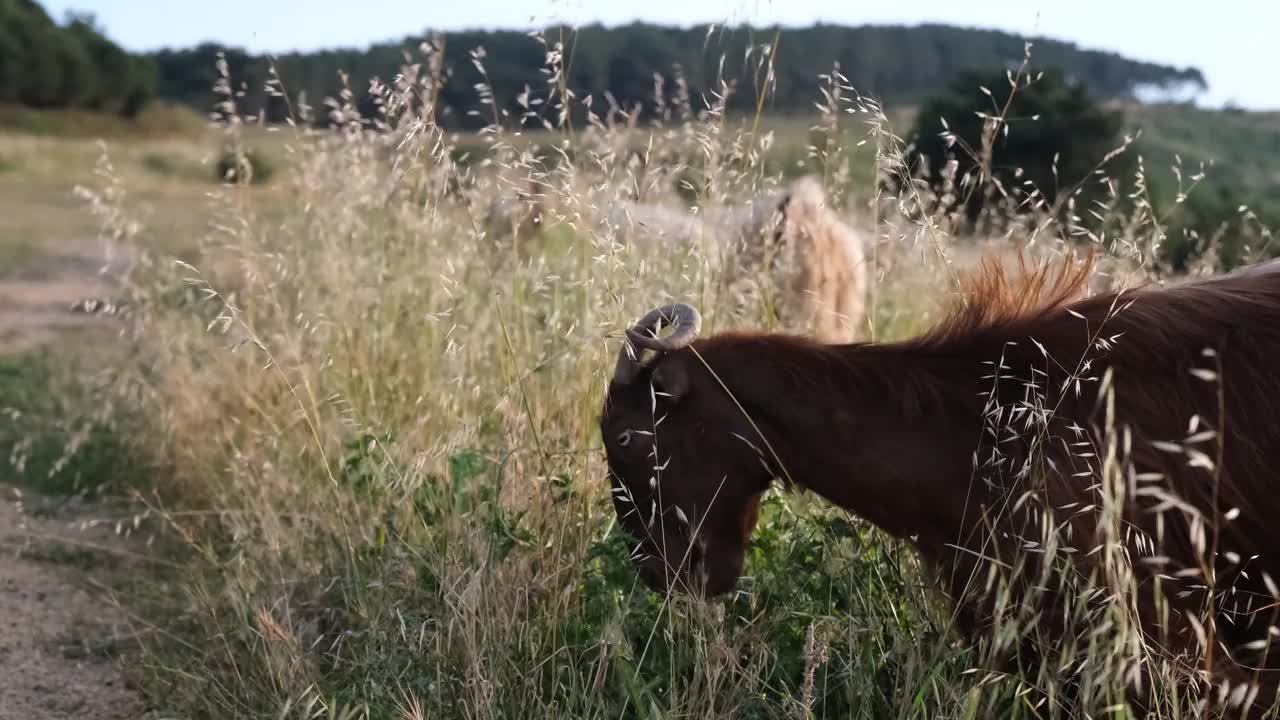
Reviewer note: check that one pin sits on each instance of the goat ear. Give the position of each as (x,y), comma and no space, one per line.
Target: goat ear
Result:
(672,377)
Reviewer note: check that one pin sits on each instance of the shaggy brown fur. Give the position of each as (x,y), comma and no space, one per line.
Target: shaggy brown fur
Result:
(971,437)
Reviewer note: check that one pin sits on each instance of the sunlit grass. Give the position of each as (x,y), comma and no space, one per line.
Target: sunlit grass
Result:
(370,424)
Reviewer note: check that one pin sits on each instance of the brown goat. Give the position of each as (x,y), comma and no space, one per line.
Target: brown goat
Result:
(968,439)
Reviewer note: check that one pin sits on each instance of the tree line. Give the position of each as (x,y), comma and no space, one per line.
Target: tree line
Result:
(893,63)
(73,65)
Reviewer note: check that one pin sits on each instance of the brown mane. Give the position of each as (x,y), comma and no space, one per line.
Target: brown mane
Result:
(988,296)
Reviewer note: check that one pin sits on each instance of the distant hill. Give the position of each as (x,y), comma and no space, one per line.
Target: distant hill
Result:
(1239,154)
(1242,146)
(894,63)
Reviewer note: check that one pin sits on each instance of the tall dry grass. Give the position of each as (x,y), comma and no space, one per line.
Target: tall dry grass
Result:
(371,423)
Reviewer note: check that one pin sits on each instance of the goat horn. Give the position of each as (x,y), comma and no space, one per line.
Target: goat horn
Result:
(684,318)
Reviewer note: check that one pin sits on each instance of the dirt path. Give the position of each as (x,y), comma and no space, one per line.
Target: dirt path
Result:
(55,630)
(35,303)
(54,627)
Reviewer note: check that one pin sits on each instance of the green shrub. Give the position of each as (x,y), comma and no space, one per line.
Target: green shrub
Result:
(248,165)
(160,164)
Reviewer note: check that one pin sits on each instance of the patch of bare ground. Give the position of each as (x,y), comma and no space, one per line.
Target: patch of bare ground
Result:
(36,301)
(58,633)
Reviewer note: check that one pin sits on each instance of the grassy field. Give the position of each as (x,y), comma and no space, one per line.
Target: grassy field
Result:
(363,428)
(167,172)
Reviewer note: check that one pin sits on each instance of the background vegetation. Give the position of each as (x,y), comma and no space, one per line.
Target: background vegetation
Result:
(44,65)
(620,65)
(361,425)
(644,70)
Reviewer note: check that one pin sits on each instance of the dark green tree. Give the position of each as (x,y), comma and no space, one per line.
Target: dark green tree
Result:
(141,88)
(78,75)
(12,55)
(111,62)
(39,68)
(1039,144)
(46,65)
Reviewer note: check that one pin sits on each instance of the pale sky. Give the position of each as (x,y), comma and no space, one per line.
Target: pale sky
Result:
(1226,39)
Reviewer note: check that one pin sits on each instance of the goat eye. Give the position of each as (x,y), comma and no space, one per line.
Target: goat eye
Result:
(624,438)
